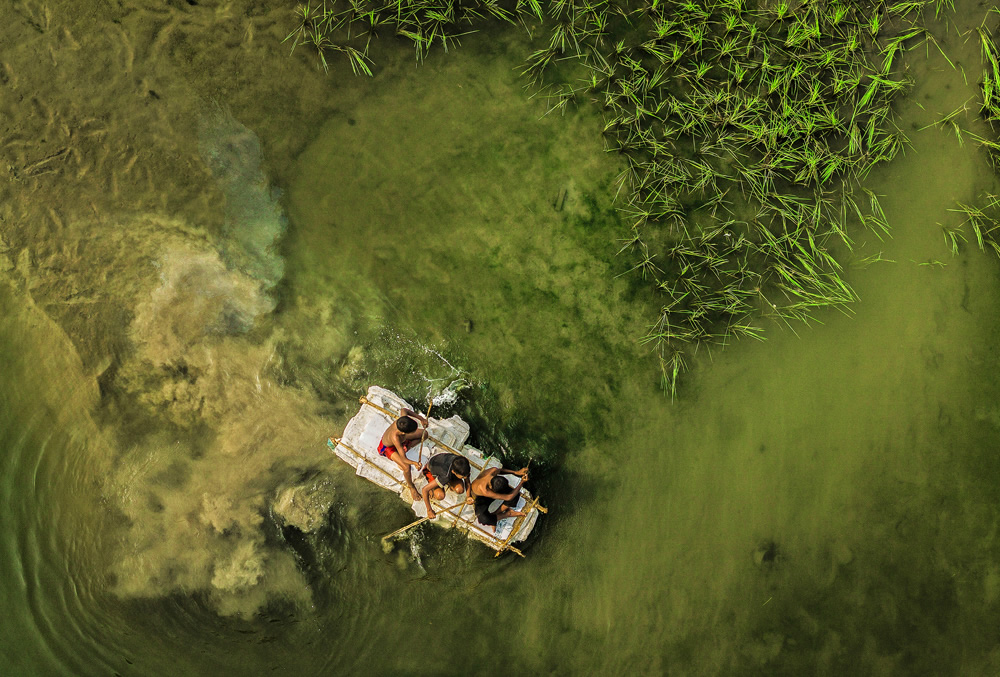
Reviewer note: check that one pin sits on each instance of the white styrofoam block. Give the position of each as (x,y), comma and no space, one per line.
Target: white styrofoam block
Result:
(372,473)
(420,455)
(346,455)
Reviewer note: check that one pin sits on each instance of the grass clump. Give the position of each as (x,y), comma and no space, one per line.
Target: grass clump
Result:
(983,221)
(746,129)
(347,27)
(990,87)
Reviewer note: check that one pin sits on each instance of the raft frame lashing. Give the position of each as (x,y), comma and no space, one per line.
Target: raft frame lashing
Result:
(459,515)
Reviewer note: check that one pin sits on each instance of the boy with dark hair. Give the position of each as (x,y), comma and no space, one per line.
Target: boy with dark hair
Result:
(489,510)
(494,496)
(445,471)
(397,439)
(481,487)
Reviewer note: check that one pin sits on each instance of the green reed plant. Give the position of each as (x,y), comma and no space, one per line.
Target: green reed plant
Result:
(990,108)
(984,222)
(942,6)
(950,122)
(309,17)
(952,237)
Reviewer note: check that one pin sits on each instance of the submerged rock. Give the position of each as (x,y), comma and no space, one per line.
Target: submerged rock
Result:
(305,506)
(766,553)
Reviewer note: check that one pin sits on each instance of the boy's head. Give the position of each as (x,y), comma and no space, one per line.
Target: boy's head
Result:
(405,424)
(461,466)
(499,484)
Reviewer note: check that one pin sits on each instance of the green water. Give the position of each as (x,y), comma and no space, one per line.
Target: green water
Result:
(819,503)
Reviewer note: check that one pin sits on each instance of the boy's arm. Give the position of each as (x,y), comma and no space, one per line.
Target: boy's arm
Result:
(492,494)
(416,435)
(488,493)
(414,414)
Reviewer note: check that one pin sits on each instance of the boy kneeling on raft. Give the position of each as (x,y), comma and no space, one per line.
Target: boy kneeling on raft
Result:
(494,496)
(445,471)
(397,439)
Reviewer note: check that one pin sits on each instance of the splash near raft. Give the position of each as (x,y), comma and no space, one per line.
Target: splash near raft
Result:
(359,444)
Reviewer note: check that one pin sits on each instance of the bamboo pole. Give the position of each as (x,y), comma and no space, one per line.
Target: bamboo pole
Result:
(406,528)
(421,520)
(363,459)
(427,417)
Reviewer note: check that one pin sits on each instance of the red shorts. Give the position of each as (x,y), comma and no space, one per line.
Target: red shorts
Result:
(387,452)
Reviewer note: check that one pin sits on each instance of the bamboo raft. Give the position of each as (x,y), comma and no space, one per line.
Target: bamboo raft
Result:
(358,447)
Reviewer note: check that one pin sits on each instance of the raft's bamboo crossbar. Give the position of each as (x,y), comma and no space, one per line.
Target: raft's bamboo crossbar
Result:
(459,515)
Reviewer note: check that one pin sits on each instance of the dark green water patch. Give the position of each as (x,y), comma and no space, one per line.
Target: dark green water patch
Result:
(501,270)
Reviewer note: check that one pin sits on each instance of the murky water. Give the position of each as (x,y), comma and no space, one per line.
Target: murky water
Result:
(819,503)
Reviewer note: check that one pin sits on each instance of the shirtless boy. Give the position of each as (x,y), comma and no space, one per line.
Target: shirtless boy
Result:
(494,496)
(481,487)
(399,437)
(489,511)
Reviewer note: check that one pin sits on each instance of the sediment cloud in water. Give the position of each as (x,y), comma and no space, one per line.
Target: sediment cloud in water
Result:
(223,436)
(196,491)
